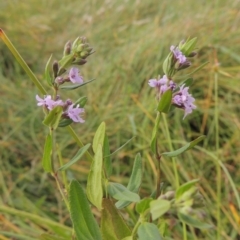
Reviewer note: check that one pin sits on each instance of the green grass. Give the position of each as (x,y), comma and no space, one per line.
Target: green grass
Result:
(131,39)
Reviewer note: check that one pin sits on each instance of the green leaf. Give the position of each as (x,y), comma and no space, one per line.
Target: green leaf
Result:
(128,238)
(84,224)
(112,224)
(167,64)
(184,188)
(159,207)
(81,102)
(119,192)
(53,118)
(99,136)
(154,135)
(47,153)
(66,61)
(148,231)
(143,205)
(65,122)
(193,221)
(107,159)
(122,146)
(134,181)
(94,183)
(188,82)
(77,157)
(165,101)
(46,236)
(47,74)
(75,86)
(184,148)
(188,46)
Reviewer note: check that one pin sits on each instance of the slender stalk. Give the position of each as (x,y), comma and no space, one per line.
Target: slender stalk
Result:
(171,149)
(158,157)
(174,168)
(61,190)
(218,167)
(64,178)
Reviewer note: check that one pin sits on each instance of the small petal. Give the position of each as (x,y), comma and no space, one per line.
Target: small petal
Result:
(178,54)
(75,113)
(184,100)
(153,82)
(74,76)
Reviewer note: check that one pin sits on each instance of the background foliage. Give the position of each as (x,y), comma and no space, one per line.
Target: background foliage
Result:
(131,39)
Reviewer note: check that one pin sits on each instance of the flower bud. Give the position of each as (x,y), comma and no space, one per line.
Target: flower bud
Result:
(67,48)
(80,48)
(59,80)
(55,68)
(84,54)
(192,54)
(170,195)
(79,61)
(179,66)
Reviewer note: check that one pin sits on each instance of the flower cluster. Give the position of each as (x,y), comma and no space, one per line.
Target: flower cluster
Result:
(176,62)
(64,71)
(70,110)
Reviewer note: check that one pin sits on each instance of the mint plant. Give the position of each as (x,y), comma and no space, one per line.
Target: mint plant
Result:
(182,202)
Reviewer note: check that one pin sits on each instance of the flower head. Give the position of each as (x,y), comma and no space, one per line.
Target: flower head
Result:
(178,54)
(75,113)
(74,76)
(183,99)
(160,85)
(48,102)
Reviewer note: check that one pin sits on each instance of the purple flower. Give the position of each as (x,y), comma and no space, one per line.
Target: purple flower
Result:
(75,113)
(178,54)
(160,85)
(48,102)
(184,100)
(74,76)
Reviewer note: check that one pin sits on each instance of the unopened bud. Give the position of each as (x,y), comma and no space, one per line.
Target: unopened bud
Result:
(89,49)
(67,48)
(59,80)
(170,195)
(83,39)
(192,54)
(68,102)
(80,48)
(84,54)
(79,61)
(179,66)
(55,67)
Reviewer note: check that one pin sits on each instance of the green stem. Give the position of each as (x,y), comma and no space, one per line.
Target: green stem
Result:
(171,149)
(61,191)
(156,151)
(158,157)
(64,178)
(218,167)
(174,168)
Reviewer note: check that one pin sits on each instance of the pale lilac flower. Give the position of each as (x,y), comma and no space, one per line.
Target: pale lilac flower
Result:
(160,85)
(74,76)
(184,100)
(75,113)
(178,54)
(48,102)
